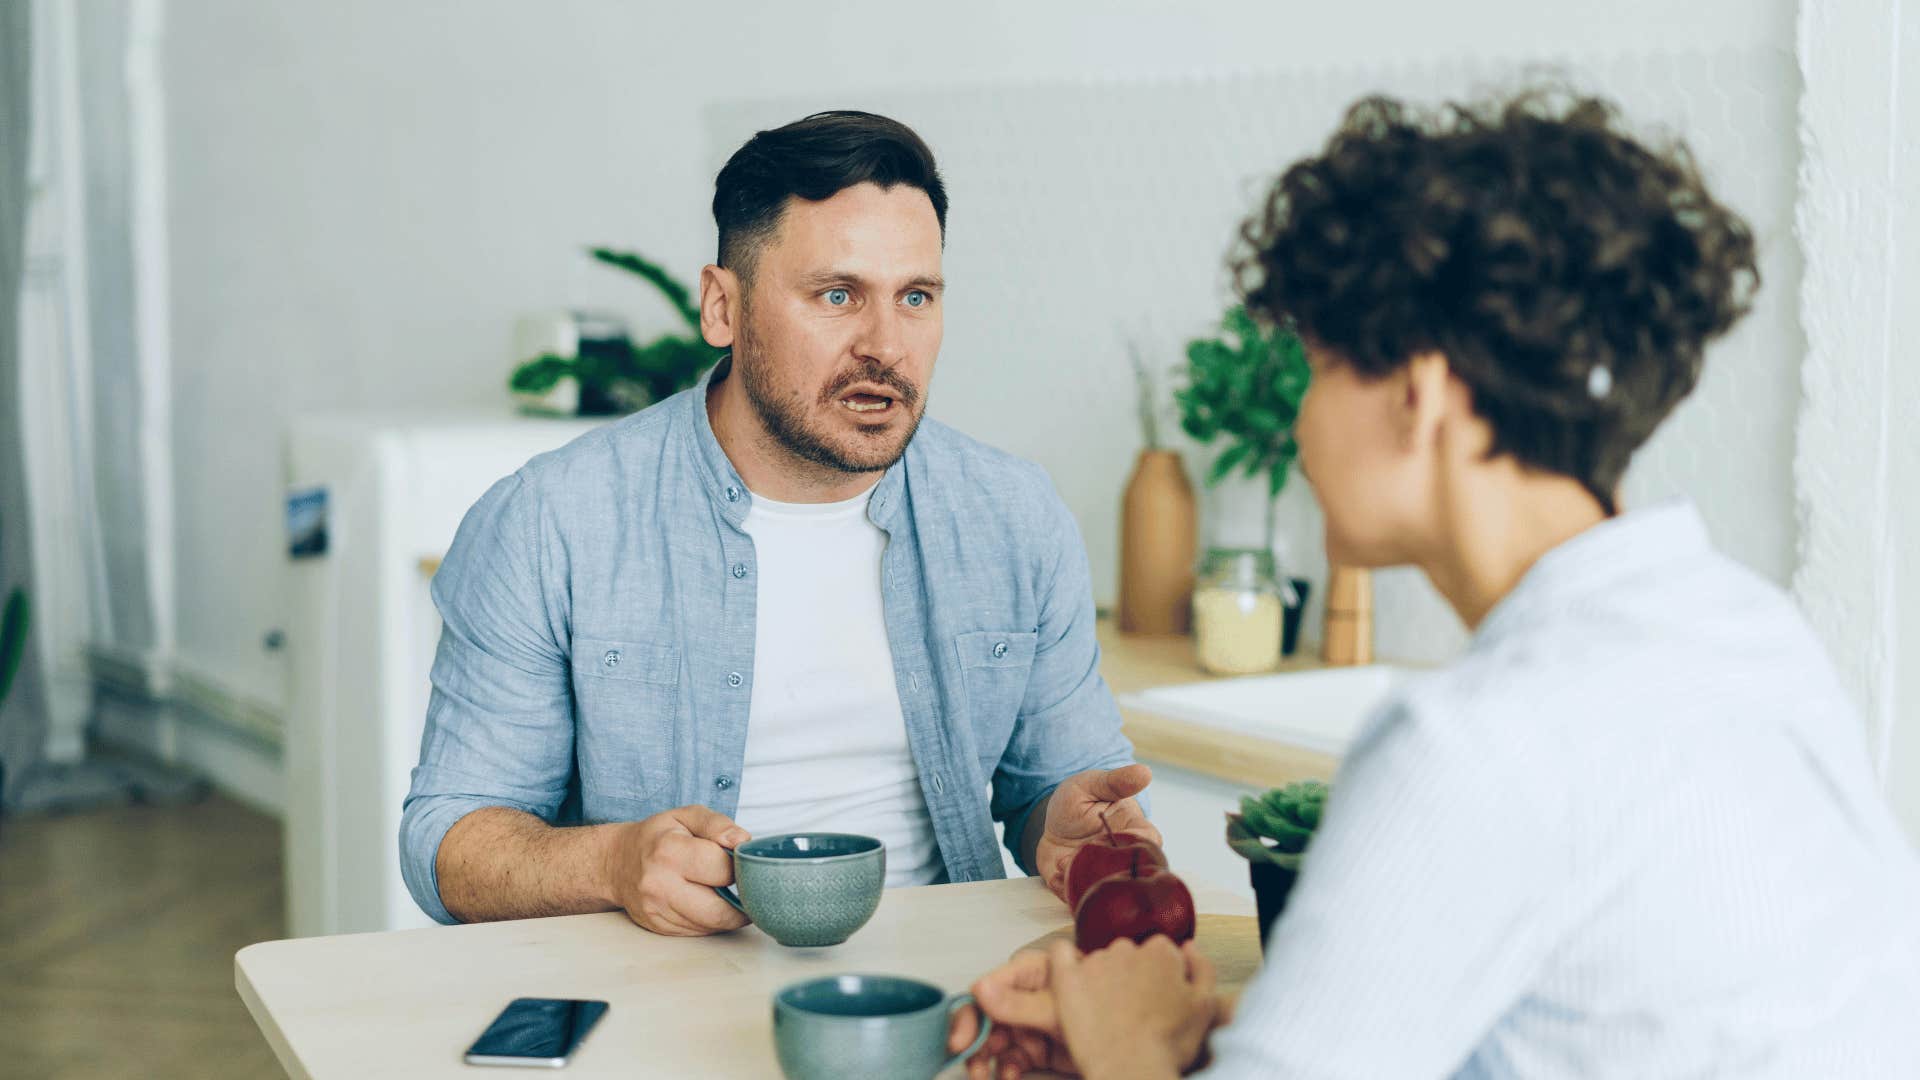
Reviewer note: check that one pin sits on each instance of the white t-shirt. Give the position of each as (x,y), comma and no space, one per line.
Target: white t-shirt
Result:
(826,739)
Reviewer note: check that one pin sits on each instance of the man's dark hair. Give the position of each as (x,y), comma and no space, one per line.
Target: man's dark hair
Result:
(1531,242)
(814,159)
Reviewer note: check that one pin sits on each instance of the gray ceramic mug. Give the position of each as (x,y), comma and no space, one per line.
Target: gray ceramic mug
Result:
(867,1027)
(808,888)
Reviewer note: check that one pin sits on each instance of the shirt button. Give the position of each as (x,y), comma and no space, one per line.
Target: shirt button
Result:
(723,782)
(613,658)
(739,569)
(733,494)
(734,679)
(999,649)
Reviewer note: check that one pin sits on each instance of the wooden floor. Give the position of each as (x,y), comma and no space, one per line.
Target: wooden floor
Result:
(117,934)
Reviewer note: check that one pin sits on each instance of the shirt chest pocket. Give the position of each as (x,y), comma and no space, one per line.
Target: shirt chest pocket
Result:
(994,665)
(626,705)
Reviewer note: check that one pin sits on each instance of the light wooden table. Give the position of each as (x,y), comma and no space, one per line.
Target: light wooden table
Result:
(407,1003)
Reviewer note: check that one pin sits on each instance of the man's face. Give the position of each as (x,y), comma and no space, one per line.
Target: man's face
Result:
(842,325)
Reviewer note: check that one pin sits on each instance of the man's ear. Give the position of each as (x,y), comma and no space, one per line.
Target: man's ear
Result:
(1426,398)
(720,305)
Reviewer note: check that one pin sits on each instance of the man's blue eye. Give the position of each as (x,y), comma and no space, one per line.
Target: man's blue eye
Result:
(916,298)
(839,297)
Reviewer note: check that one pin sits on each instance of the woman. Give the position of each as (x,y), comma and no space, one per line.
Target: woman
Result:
(1633,831)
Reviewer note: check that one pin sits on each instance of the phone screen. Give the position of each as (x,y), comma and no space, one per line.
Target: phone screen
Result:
(536,1031)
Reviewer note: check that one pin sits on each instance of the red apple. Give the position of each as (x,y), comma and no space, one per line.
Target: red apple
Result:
(1136,905)
(1102,858)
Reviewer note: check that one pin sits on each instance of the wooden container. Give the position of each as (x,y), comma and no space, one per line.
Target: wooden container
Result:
(1349,631)
(1159,535)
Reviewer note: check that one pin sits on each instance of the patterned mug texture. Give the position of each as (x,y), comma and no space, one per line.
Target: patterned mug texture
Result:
(808,889)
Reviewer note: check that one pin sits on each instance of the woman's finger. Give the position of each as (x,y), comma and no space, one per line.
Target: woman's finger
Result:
(1200,970)
(1020,1008)
(1027,970)
(962,1026)
(1019,992)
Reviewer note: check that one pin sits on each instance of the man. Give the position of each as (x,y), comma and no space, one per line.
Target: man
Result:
(780,601)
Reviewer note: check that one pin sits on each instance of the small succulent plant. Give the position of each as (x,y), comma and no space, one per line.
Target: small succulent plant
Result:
(1276,827)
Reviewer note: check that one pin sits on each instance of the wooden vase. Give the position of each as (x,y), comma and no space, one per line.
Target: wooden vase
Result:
(1159,534)
(1349,631)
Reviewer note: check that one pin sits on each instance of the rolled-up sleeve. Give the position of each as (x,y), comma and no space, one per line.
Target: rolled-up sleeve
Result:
(499,727)
(1068,721)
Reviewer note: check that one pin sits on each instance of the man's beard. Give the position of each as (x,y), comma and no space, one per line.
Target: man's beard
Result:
(792,427)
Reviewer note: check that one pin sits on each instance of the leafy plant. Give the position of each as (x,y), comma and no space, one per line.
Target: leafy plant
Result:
(622,377)
(1276,827)
(14,622)
(1245,386)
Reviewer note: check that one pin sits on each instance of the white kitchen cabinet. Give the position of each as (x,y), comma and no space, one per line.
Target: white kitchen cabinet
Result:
(361,641)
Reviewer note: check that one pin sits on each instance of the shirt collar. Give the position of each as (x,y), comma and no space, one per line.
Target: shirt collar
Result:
(724,486)
(1614,551)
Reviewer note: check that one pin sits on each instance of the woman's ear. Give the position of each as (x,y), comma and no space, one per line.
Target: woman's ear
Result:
(720,299)
(1426,392)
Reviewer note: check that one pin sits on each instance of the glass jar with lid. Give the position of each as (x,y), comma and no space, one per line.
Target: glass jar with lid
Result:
(1239,609)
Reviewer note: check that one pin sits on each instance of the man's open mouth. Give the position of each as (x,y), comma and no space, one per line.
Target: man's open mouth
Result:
(867,401)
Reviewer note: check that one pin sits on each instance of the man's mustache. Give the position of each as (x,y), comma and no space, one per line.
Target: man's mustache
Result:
(903,391)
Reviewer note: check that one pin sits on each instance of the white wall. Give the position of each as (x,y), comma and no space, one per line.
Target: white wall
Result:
(1858,463)
(1088,212)
(1902,761)
(363,194)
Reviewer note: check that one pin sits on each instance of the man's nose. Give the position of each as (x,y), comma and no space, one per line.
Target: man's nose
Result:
(881,340)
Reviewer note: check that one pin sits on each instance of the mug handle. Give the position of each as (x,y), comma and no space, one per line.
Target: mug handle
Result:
(955,1004)
(727,894)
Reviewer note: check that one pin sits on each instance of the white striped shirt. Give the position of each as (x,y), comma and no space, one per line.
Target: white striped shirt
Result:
(1633,832)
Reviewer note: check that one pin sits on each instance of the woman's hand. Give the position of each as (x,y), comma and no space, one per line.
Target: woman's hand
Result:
(1125,1011)
(1015,1048)
(1134,1010)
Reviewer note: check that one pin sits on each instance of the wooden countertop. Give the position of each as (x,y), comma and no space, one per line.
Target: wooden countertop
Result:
(1134,662)
(407,1003)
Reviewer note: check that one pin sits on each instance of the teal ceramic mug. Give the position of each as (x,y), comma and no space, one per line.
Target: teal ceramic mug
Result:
(867,1027)
(808,888)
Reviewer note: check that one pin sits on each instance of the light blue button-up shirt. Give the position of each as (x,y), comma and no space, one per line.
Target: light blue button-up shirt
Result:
(596,660)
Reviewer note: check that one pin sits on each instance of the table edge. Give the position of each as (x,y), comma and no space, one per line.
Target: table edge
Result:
(263,1018)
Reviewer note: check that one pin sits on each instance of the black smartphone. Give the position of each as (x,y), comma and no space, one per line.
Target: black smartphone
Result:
(536,1031)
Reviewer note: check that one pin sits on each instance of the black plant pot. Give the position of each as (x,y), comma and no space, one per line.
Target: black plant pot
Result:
(1271,886)
(597,400)
(1290,616)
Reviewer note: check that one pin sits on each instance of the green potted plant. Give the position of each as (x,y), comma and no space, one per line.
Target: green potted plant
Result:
(616,376)
(1243,389)
(1272,833)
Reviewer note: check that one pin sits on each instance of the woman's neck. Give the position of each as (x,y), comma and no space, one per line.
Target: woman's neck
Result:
(1496,522)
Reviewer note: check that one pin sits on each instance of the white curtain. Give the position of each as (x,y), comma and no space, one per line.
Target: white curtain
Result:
(22,716)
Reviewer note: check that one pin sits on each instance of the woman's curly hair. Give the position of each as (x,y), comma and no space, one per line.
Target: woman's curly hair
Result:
(1530,241)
